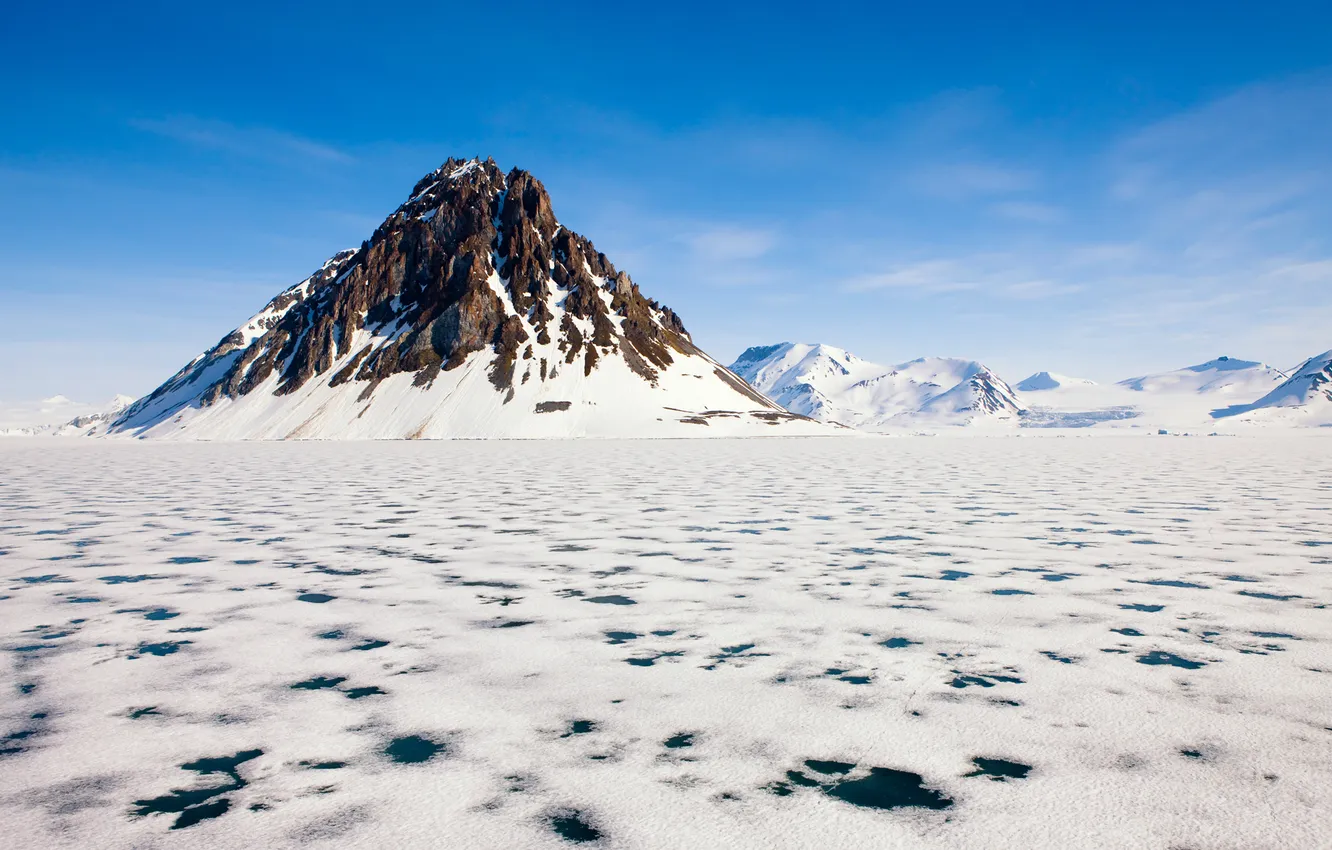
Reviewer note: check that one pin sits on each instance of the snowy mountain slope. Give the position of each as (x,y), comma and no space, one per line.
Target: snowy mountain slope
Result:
(59,417)
(833,385)
(1311,383)
(1304,398)
(471,312)
(1050,381)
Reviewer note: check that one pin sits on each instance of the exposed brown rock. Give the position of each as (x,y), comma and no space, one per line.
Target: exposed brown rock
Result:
(572,338)
(345,374)
(506,352)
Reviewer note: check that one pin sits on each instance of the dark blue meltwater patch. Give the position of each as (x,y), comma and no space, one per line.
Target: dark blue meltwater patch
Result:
(316,598)
(574,826)
(194,805)
(881,788)
(999,770)
(1157,657)
(413,749)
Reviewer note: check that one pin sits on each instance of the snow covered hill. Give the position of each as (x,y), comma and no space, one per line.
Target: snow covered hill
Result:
(833,385)
(1224,376)
(1050,381)
(471,312)
(58,416)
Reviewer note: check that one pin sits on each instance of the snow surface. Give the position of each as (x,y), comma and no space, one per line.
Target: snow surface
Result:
(833,385)
(655,638)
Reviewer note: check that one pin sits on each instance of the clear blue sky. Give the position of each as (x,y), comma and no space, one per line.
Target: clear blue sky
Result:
(1096,189)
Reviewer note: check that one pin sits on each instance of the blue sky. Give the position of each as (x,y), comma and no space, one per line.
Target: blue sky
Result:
(1094,189)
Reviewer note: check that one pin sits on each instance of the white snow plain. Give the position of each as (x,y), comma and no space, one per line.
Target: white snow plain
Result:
(918,643)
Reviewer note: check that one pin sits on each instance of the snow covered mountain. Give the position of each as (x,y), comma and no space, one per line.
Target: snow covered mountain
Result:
(833,385)
(1042,381)
(1224,376)
(470,312)
(58,416)
(1303,398)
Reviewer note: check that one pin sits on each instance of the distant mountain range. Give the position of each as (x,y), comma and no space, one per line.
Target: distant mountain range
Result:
(58,416)
(833,385)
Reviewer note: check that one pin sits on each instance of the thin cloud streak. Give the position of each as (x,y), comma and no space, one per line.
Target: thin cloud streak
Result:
(961,181)
(265,143)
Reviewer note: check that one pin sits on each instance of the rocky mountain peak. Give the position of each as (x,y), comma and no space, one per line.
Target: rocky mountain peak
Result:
(475,259)
(471,295)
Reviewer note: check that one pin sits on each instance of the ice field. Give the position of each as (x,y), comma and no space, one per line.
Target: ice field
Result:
(958,642)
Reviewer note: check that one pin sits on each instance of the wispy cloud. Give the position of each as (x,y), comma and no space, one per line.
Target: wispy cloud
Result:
(1028,211)
(989,276)
(929,276)
(959,181)
(725,243)
(1244,174)
(1297,273)
(1038,290)
(265,143)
